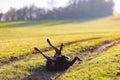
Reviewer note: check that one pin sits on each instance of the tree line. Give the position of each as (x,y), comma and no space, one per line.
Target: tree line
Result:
(75,9)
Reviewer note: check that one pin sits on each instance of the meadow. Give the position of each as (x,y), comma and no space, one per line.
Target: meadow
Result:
(17,40)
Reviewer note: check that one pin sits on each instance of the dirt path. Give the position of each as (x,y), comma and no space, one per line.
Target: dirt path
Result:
(91,54)
(13,60)
(85,56)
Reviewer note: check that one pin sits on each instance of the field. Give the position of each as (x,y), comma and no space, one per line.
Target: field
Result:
(19,61)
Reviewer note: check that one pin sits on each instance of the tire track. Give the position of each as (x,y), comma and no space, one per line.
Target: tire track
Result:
(99,49)
(13,59)
(85,56)
(90,54)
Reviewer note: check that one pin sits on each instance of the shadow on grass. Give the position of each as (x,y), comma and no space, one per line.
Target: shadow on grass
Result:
(67,21)
(49,22)
(24,24)
(41,74)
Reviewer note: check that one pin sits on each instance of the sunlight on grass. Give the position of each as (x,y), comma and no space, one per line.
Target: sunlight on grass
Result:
(18,39)
(105,67)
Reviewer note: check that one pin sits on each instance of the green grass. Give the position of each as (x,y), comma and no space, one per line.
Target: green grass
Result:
(105,67)
(36,64)
(18,39)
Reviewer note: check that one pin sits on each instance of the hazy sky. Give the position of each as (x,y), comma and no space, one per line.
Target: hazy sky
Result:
(6,4)
(117,6)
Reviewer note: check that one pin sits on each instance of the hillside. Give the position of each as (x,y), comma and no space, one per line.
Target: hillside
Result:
(19,61)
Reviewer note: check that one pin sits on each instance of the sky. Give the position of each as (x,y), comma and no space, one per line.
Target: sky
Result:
(7,4)
(117,6)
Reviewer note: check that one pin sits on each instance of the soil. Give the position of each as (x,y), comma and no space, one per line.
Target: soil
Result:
(13,59)
(85,56)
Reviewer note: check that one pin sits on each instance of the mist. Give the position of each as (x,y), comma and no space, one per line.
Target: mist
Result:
(77,9)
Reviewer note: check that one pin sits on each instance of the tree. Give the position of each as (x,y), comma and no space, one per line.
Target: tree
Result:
(10,15)
(22,14)
(76,9)
(1,14)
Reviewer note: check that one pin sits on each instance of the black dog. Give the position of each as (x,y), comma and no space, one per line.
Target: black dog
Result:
(58,62)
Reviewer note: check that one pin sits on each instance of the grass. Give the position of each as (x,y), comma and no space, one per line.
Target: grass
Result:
(105,67)
(30,66)
(18,39)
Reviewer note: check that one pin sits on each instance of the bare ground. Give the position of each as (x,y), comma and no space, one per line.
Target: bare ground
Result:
(85,56)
